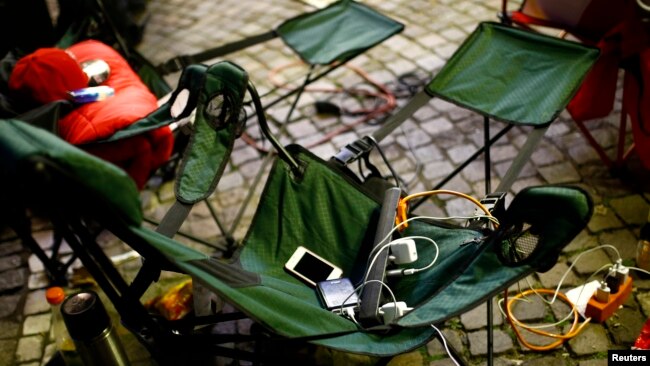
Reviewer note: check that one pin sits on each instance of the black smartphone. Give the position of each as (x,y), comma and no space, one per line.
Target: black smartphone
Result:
(337,293)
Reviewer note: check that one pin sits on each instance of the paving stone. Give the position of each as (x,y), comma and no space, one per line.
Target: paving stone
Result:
(38,281)
(590,262)
(29,348)
(426,154)
(523,284)
(478,342)
(8,305)
(414,140)
(35,264)
(406,359)
(546,155)
(625,326)
(560,173)
(10,262)
(582,241)
(583,154)
(442,362)
(7,248)
(453,338)
(528,170)
(601,362)
(632,209)
(551,278)
(535,339)
(437,169)
(623,240)
(12,279)
(529,309)
(35,324)
(644,301)
(545,361)
(461,153)
(501,153)
(477,317)
(502,361)
(10,328)
(7,351)
(602,219)
(43,238)
(592,339)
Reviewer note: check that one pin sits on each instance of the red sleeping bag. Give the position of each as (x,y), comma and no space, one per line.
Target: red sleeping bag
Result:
(47,75)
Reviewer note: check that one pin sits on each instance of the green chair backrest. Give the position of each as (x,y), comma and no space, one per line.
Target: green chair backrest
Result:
(217,123)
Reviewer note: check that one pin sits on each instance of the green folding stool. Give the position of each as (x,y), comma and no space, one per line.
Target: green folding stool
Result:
(329,37)
(506,74)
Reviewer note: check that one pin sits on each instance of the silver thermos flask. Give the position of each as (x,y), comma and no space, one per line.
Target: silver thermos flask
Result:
(92,331)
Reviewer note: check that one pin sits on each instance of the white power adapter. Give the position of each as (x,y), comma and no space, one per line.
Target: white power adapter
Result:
(393,310)
(403,251)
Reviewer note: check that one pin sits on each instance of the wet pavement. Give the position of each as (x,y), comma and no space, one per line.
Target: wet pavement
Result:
(425,148)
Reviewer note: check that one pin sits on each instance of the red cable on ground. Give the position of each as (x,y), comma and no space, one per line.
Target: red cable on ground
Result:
(383,94)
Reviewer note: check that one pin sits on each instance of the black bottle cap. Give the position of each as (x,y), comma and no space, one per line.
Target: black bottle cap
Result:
(84,316)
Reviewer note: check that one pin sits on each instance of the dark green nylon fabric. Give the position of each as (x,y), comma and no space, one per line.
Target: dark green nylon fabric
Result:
(321,211)
(559,213)
(209,148)
(513,75)
(337,32)
(19,141)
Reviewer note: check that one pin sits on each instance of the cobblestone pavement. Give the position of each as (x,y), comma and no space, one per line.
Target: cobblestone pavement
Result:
(428,146)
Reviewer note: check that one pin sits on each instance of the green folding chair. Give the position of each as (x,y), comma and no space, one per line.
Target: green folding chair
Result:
(502,73)
(306,201)
(314,203)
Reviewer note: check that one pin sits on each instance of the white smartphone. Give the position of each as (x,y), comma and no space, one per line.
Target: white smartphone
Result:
(311,268)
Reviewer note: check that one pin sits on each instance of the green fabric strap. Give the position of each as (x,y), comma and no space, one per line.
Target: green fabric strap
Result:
(214,130)
(174,218)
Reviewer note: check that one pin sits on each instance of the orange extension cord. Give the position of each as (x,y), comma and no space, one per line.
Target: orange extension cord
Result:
(561,338)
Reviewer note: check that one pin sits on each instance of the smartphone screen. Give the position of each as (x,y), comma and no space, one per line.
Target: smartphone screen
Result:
(313,268)
(336,293)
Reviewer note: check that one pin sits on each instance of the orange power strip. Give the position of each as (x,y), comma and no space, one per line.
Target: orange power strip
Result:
(599,311)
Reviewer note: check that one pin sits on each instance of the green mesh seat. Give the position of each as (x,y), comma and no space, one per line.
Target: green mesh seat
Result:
(343,29)
(513,75)
(319,207)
